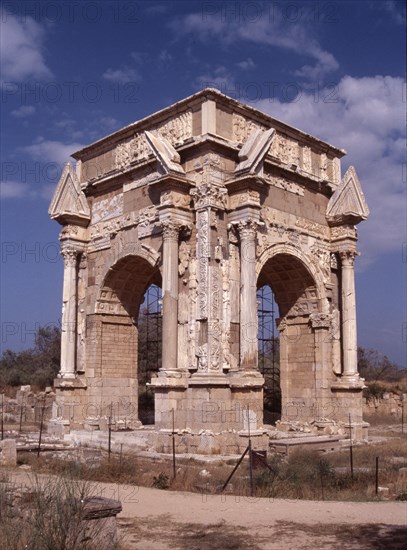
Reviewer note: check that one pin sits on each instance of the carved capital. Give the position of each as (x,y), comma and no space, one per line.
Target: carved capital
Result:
(208,195)
(348,257)
(320,320)
(170,230)
(70,256)
(247,229)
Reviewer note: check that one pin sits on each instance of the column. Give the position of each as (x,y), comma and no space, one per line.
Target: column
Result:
(69,305)
(170,296)
(248,303)
(349,337)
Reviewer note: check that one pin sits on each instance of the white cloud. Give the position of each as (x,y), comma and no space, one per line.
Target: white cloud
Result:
(13,190)
(272,31)
(219,78)
(51,151)
(21,49)
(246,64)
(123,75)
(23,111)
(365,116)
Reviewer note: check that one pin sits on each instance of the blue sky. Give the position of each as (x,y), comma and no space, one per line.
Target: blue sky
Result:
(72,72)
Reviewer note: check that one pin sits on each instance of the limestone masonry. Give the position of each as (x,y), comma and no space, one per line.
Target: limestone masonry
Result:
(208,199)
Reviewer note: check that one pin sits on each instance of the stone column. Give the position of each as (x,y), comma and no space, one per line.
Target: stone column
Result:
(69,314)
(170,296)
(349,337)
(248,303)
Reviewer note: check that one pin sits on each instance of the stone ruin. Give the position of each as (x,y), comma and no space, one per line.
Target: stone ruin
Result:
(208,199)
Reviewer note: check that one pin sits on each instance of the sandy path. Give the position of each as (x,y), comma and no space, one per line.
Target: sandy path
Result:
(154,519)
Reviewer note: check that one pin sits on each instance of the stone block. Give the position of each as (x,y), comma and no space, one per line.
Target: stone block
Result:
(8,452)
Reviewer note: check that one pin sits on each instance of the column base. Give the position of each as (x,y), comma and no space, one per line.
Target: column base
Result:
(350,382)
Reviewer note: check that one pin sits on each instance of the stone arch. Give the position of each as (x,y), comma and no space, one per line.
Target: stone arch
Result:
(113,335)
(299,291)
(125,283)
(294,260)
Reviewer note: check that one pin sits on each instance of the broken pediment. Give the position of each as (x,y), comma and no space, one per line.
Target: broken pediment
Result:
(69,204)
(254,150)
(165,153)
(347,204)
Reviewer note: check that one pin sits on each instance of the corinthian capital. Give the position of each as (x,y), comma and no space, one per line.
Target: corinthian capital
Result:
(348,257)
(70,256)
(170,230)
(247,228)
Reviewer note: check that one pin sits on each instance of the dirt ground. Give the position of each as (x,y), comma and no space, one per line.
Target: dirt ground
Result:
(154,519)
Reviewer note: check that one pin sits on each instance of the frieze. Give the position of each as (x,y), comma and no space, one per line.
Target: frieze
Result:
(146,221)
(170,198)
(176,131)
(107,209)
(242,127)
(343,232)
(285,149)
(283,183)
(249,197)
(306,159)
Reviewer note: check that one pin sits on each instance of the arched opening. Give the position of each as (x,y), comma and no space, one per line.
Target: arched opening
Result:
(269,353)
(128,304)
(287,294)
(149,350)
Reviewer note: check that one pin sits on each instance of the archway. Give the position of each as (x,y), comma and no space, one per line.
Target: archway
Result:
(297,296)
(269,353)
(118,306)
(149,350)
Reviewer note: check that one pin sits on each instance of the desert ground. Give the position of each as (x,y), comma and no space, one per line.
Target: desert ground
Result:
(154,519)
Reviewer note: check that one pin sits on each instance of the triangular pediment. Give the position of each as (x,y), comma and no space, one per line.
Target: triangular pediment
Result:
(254,150)
(69,204)
(165,153)
(347,204)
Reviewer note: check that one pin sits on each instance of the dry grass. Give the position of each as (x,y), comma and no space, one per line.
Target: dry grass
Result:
(304,475)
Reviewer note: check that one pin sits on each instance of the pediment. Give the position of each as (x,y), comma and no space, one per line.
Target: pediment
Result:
(254,150)
(69,204)
(347,204)
(165,153)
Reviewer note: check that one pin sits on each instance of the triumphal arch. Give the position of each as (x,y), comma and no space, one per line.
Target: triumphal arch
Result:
(208,200)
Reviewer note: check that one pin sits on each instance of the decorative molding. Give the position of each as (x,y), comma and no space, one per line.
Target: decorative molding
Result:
(69,204)
(203,254)
(347,205)
(208,195)
(184,255)
(320,320)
